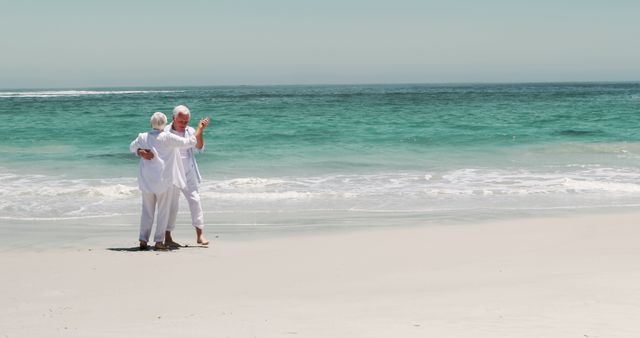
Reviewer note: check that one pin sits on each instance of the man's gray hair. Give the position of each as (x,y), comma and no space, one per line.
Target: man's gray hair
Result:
(158,121)
(181,110)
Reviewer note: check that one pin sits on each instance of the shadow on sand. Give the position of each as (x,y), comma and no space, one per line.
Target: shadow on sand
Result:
(150,248)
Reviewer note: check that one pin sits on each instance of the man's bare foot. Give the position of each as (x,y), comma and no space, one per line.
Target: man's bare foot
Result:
(144,245)
(168,241)
(160,247)
(200,237)
(172,244)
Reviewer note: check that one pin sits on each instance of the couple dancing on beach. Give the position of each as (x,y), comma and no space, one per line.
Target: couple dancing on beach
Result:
(168,166)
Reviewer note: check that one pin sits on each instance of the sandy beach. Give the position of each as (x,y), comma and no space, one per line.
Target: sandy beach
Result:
(378,169)
(575,276)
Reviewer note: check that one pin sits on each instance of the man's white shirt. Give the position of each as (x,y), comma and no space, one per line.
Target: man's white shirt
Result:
(188,154)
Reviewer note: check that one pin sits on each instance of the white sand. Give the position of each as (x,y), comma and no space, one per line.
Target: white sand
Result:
(562,277)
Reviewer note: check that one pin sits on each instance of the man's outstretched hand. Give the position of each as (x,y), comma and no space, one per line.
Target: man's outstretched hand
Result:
(204,122)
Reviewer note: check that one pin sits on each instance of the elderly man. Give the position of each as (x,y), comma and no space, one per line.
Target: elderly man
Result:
(180,127)
(160,176)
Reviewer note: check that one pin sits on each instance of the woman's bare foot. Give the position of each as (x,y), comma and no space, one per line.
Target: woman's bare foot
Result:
(200,237)
(143,245)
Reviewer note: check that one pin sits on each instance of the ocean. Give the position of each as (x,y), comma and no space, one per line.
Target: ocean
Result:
(283,158)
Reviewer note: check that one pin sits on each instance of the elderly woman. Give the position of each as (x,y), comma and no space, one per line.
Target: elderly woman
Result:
(161,177)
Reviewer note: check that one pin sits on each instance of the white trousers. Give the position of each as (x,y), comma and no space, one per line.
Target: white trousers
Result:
(192,196)
(150,203)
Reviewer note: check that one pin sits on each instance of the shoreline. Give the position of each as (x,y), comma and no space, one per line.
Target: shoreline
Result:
(120,230)
(574,276)
(100,232)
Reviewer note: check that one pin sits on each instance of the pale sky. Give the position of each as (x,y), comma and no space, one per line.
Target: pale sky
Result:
(49,44)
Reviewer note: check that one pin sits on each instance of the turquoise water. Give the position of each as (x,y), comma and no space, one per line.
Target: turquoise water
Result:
(429,151)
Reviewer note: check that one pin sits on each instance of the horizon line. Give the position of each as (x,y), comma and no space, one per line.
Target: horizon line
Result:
(453,83)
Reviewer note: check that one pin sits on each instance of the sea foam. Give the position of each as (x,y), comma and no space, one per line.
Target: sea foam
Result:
(46,197)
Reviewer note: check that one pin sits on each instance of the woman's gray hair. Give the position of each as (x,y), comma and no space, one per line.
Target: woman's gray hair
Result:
(181,110)
(158,121)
